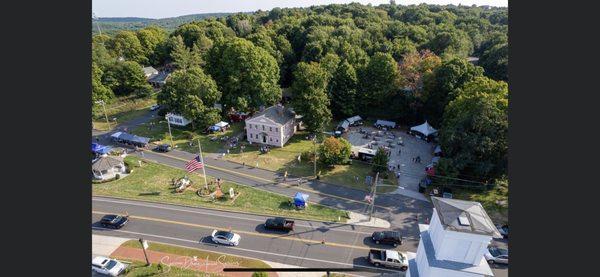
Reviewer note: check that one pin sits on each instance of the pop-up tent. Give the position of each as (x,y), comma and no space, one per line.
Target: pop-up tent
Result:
(385,123)
(425,129)
(219,126)
(300,199)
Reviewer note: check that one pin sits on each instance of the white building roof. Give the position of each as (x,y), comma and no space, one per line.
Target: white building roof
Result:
(450,210)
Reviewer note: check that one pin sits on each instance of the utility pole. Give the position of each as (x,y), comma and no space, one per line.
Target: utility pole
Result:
(373,193)
(105,114)
(315,156)
(170,135)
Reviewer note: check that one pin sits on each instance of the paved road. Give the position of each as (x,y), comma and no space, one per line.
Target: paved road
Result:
(345,245)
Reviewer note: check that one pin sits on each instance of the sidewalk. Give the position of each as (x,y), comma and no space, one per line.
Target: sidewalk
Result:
(168,260)
(105,245)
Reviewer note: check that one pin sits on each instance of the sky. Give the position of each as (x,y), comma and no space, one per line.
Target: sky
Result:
(173,8)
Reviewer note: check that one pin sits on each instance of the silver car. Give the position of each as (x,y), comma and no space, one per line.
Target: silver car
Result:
(225,237)
(496,255)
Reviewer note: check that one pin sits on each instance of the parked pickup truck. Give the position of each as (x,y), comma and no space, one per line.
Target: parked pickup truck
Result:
(388,258)
(279,223)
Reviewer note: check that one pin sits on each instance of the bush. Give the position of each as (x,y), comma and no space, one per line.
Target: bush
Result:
(128,170)
(260,274)
(117,176)
(162,112)
(307,156)
(188,135)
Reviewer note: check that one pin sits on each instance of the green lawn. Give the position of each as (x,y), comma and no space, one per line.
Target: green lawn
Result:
(286,159)
(190,252)
(152,181)
(494,201)
(159,133)
(124,109)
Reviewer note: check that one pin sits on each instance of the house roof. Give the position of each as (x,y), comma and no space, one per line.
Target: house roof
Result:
(354,119)
(161,77)
(148,70)
(277,115)
(478,221)
(106,163)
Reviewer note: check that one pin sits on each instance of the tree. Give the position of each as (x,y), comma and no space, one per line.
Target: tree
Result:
(380,161)
(495,62)
(127,45)
(451,41)
(416,65)
(334,151)
(126,78)
(342,90)
(152,40)
(440,87)
(378,81)
(246,74)
(475,128)
(310,99)
(192,94)
(182,56)
(99,91)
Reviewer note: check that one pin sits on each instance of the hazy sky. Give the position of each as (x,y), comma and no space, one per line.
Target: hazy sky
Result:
(172,8)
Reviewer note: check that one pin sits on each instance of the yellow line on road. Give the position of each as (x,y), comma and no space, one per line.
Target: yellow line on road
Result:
(267,180)
(240,231)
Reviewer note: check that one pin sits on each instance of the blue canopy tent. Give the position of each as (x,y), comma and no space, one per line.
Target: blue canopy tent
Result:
(130,139)
(100,149)
(300,199)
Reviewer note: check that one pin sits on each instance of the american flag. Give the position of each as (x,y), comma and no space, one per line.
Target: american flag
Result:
(194,164)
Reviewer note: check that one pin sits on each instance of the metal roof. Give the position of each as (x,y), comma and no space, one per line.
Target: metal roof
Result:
(449,210)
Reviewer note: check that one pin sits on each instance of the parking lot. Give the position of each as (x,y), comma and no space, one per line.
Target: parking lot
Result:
(404,148)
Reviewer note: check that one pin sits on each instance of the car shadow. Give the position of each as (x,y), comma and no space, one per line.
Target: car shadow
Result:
(260,228)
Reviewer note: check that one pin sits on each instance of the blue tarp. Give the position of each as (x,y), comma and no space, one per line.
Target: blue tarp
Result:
(215,128)
(300,199)
(100,149)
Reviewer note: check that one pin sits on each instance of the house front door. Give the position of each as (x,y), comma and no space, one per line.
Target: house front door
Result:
(264,139)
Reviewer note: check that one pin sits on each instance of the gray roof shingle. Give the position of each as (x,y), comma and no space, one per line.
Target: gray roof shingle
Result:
(276,114)
(449,210)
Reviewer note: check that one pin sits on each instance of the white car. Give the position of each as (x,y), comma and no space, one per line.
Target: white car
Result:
(496,255)
(225,237)
(154,107)
(107,266)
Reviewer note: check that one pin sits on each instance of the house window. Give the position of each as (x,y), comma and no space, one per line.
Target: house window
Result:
(270,129)
(263,127)
(277,140)
(271,139)
(250,135)
(277,130)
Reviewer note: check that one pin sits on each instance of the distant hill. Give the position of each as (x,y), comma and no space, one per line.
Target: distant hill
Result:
(110,25)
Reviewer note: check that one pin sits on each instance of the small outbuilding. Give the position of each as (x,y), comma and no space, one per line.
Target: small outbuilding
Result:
(108,167)
(159,79)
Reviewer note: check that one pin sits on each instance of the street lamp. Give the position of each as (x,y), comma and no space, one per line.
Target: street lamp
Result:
(105,114)
(170,135)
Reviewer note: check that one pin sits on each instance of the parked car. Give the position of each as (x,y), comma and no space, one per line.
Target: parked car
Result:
(388,258)
(154,107)
(496,255)
(114,221)
(387,237)
(225,237)
(163,148)
(279,223)
(503,230)
(107,266)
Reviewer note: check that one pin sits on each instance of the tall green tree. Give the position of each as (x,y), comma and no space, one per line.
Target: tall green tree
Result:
(380,161)
(99,90)
(440,87)
(342,90)
(126,78)
(378,81)
(191,93)
(475,128)
(310,99)
(247,75)
(495,62)
(127,45)
(183,57)
(152,40)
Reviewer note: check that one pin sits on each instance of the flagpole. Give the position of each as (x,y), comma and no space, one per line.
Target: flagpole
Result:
(203,165)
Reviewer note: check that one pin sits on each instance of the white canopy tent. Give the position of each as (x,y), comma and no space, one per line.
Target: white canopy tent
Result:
(424,129)
(222,124)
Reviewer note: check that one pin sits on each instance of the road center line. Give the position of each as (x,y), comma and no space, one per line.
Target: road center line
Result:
(242,232)
(221,215)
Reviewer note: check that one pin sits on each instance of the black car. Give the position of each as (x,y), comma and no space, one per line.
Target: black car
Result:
(387,237)
(113,221)
(163,148)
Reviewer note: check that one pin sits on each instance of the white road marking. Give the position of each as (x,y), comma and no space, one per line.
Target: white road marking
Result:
(220,215)
(244,249)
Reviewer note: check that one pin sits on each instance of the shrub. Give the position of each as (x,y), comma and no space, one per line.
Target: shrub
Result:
(260,274)
(117,176)
(188,135)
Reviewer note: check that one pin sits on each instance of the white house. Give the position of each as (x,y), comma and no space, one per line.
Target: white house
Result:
(455,241)
(178,120)
(108,167)
(272,126)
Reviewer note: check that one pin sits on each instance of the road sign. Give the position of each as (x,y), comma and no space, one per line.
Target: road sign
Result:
(145,244)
